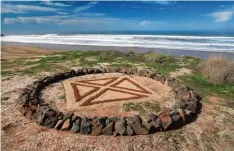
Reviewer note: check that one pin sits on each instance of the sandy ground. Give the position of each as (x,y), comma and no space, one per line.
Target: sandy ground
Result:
(55,96)
(212,130)
(11,52)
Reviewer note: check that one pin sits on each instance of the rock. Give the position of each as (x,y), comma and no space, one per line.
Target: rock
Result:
(76,126)
(143,73)
(86,126)
(129,121)
(156,124)
(147,125)
(192,106)
(108,130)
(66,125)
(136,119)
(139,129)
(59,124)
(120,127)
(2,35)
(97,127)
(181,114)
(157,77)
(51,122)
(152,117)
(183,105)
(175,117)
(129,131)
(123,70)
(166,120)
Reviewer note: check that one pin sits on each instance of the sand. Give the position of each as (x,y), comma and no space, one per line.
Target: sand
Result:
(174,52)
(12,52)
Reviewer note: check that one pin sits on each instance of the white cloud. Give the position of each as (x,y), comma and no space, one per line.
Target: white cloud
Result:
(62,13)
(145,22)
(85,7)
(222,16)
(56,4)
(8,8)
(36,19)
(93,14)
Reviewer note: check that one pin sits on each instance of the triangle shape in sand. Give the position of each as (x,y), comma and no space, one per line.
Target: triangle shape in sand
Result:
(81,91)
(111,95)
(99,82)
(128,84)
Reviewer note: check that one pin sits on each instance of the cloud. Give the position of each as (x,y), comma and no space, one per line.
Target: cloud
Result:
(85,7)
(145,22)
(56,4)
(35,19)
(8,8)
(93,14)
(62,13)
(222,16)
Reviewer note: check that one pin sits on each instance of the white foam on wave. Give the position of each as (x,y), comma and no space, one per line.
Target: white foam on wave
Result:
(198,43)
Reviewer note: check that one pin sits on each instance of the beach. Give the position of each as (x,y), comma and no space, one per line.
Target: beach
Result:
(47,48)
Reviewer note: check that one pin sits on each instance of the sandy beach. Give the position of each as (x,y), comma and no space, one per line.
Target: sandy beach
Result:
(16,49)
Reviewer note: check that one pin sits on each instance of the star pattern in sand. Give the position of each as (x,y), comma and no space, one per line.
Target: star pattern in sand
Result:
(96,91)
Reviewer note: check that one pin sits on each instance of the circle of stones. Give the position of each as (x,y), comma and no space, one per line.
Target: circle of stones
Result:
(184,111)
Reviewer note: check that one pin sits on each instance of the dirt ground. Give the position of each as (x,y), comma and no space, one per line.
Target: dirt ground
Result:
(212,130)
(12,52)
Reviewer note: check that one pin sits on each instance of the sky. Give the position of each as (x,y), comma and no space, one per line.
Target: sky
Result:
(76,16)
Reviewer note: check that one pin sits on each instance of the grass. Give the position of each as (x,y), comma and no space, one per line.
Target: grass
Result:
(142,107)
(65,60)
(208,88)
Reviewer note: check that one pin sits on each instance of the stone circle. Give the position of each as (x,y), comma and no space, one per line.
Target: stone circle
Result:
(35,108)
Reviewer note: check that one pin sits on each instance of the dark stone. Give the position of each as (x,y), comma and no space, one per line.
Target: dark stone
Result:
(108,130)
(129,121)
(76,125)
(86,126)
(139,129)
(156,124)
(166,120)
(97,127)
(91,70)
(147,125)
(136,118)
(175,117)
(51,122)
(129,131)
(152,117)
(120,127)
(183,105)
(192,106)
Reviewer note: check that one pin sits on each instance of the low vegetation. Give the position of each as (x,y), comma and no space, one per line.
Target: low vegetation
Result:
(142,107)
(214,76)
(218,70)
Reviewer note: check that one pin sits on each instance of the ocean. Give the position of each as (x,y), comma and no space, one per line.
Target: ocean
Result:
(203,41)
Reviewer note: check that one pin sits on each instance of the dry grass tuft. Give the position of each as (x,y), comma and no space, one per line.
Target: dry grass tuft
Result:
(218,69)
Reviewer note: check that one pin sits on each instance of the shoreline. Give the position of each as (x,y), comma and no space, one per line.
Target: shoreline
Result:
(174,52)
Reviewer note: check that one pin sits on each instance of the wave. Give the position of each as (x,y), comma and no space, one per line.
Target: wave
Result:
(198,43)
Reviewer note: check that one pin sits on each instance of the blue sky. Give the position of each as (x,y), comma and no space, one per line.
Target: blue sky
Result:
(55,16)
